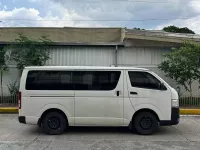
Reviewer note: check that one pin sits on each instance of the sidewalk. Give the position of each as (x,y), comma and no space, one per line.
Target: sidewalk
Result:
(183,111)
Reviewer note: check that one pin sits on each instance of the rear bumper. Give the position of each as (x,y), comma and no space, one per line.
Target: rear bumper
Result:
(174,118)
(28,119)
(22,119)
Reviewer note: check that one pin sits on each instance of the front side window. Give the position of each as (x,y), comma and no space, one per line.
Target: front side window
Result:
(144,80)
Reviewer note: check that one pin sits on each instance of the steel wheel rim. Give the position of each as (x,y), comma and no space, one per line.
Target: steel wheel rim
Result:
(54,123)
(146,123)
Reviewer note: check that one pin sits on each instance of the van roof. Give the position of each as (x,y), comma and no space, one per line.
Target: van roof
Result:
(82,67)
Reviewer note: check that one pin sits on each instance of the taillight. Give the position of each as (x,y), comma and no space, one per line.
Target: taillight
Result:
(19,100)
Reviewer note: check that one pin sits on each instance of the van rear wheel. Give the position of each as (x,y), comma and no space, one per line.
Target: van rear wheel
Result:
(54,123)
(145,123)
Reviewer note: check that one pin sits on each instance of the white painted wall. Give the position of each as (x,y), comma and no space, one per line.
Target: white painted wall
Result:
(9,77)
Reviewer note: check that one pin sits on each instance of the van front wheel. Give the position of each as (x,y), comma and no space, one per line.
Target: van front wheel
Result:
(145,123)
(54,123)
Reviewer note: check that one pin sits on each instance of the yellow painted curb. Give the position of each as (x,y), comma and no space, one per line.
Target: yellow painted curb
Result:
(190,111)
(8,110)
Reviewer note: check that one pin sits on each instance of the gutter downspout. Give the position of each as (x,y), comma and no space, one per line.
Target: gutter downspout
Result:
(116,51)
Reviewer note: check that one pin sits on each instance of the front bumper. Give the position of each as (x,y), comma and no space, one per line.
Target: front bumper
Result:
(174,118)
(22,119)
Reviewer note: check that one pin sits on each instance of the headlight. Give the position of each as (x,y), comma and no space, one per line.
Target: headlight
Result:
(175,103)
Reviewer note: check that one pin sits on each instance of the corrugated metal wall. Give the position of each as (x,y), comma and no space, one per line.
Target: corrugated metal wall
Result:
(82,56)
(150,58)
(141,56)
(104,56)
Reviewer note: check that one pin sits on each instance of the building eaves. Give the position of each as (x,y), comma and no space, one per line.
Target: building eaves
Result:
(160,36)
(64,35)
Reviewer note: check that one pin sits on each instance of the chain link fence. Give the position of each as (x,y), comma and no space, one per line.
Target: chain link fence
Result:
(185,102)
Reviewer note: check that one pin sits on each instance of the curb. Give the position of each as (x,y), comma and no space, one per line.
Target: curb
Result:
(190,111)
(8,110)
(182,111)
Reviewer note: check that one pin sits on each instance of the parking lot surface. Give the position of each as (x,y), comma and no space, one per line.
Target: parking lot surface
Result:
(14,135)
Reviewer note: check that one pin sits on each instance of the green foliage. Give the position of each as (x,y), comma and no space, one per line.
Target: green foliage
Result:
(183,64)
(178,30)
(28,52)
(13,88)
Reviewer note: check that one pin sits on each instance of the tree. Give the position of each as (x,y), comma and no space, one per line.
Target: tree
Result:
(177,30)
(138,29)
(4,58)
(13,88)
(28,52)
(183,64)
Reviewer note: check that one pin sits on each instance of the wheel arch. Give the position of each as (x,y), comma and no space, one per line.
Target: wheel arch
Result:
(51,110)
(136,126)
(146,110)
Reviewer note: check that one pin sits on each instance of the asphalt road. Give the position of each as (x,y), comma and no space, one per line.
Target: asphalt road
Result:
(17,136)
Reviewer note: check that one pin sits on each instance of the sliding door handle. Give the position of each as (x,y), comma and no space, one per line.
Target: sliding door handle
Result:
(117,93)
(133,93)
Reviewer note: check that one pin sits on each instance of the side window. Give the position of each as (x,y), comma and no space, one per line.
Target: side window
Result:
(66,80)
(83,80)
(106,80)
(49,80)
(95,80)
(144,80)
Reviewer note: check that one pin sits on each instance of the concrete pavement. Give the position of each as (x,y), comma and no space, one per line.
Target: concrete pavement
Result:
(17,136)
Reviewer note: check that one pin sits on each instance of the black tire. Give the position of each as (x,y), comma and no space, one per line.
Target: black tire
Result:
(145,123)
(54,123)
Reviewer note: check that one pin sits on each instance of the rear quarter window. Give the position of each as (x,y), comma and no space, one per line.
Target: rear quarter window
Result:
(49,80)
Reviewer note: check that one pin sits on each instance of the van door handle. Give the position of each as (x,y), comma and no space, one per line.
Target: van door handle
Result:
(133,93)
(117,92)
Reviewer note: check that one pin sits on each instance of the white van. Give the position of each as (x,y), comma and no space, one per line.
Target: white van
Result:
(56,97)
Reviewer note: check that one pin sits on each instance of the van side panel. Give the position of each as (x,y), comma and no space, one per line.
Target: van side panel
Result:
(128,108)
(33,107)
(35,102)
(157,100)
(61,107)
(98,107)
